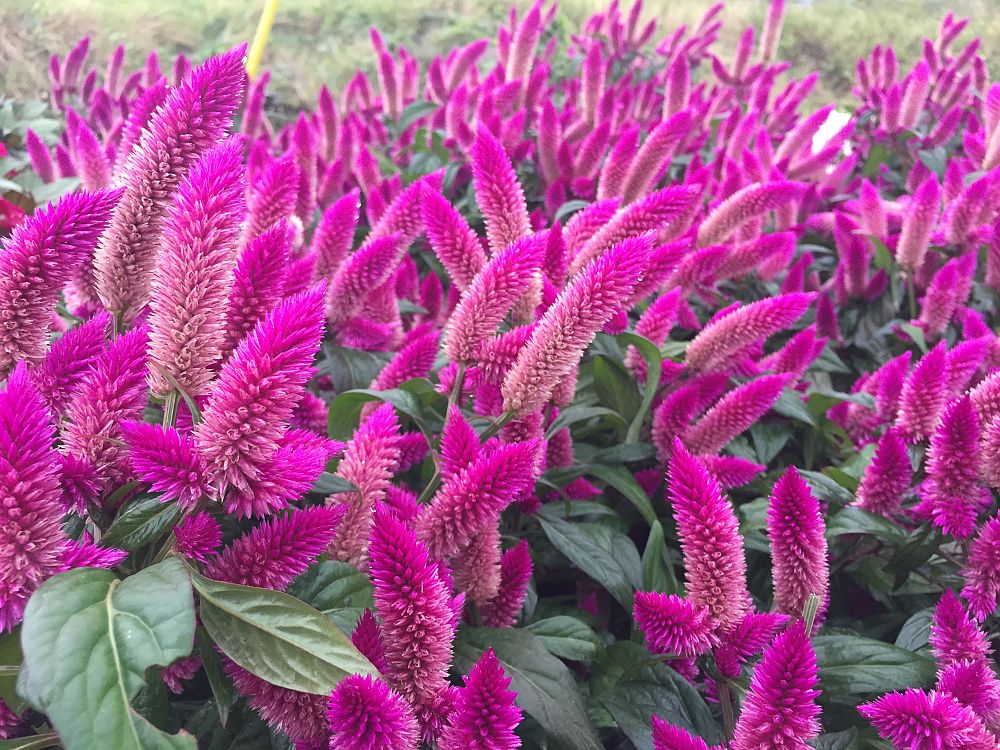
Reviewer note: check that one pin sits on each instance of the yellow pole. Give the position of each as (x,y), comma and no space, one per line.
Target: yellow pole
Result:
(260,37)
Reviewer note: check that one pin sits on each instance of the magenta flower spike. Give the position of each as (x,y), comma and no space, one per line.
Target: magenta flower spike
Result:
(974,684)
(915,95)
(986,397)
(370,460)
(771,35)
(403,215)
(924,395)
(199,537)
(112,390)
(871,210)
(36,261)
(300,716)
(616,166)
(38,153)
(673,625)
(270,197)
(714,562)
(276,552)
(334,236)
(258,282)
(194,273)
(798,545)
(459,445)
(521,54)
(916,720)
(941,300)
(677,92)
(474,498)
(32,541)
(256,392)
(476,568)
(502,281)
(485,715)
(666,736)
(919,221)
(780,710)
(734,413)
(364,713)
(955,637)
(67,361)
(887,477)
(303,150)
(565,330)
(723,338)
(982,571)
(192,118)
(503,610)
(498,192)
(951,493)
(797,354)
(365,270)
(415,609)
(668,212)
(656,151)
(138,118)
(89,157)
(414,360)
(746,204)
(452,240)
(167,460)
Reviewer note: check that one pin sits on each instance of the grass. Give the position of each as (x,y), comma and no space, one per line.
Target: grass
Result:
(325,41)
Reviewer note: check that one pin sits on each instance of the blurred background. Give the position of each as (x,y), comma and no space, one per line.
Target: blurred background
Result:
(324,41)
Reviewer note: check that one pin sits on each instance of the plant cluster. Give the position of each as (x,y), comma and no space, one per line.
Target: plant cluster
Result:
(568,393)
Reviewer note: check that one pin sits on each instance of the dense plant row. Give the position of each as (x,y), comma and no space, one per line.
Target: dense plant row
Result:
(565,394)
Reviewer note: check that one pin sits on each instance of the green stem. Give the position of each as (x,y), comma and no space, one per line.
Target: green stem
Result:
(477,619)
(117,324)
(809,612)
(728,712)
(911,295)
(495,427)
(170,408)
(165,549)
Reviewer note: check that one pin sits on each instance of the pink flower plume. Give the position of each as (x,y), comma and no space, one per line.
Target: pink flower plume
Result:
(982,570)
(194,273)
(364,713)
(452,240)
(32,542)
(503,610)
(36,261)
(571,323)
(887,477)
(485,715)
(167,460)
(714,562)
(673,625)
(744,205)
(735,412)
(498,192)
(798,545)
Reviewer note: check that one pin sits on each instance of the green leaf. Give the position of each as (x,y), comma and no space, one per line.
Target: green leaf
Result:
(916,333)
(35,742)
(846,740)
(615,387)
(345,411)
(545,687)
(853,520)
(570,207)
(623,481)
(657,573)
(607,556)
(143,521)
(351,368)
(579,413)
(654,367)
(768,439)
(414,112)
(916,631)
(633,686)
(54,190)
(827,489)
(790,404)
(10,657)
(88,639)
(567,637)
(328,484)
(336,589)
(851,665)
(223,690)
(277,637)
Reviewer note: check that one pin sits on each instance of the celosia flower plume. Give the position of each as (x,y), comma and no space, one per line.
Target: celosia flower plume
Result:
(485,715)
(364,713)
(714,562)
(498,192)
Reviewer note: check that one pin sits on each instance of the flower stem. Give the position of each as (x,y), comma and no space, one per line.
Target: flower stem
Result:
(170,408)
(728,712)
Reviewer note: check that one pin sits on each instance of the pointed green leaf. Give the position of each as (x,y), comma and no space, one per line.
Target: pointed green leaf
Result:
(88,639)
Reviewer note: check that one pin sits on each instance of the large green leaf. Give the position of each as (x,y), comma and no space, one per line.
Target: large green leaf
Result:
(141,522)
(851,665)
(854,520)
(88,639)
(545,688)
(654,367)
(567,637)
(35,742)
(345,411)
(277,637)
(336,589)
(622,480)
(351,368)
(606,555)
(633,686)
(615,387)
